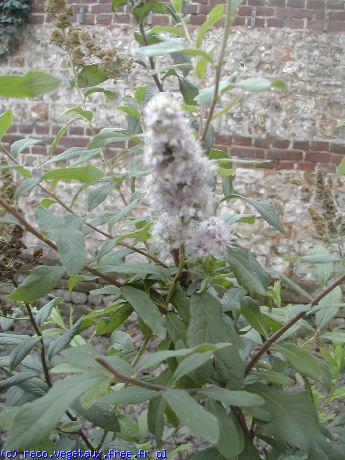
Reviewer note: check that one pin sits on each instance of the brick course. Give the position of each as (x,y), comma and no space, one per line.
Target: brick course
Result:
(297,14)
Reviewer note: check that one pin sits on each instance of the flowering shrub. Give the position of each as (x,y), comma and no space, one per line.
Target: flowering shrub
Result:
(220,353)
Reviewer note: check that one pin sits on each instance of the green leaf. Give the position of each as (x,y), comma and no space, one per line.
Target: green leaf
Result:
(30,85)
(6,118)
(42,280)
(16,380)
(142,269)
(191,363)
(193,415)
(303,361)
(91,75)
(18,146)
(327,313)
(26,186)
(248,271)
(21,351)
(188,90)
(100,414)
(233,398)
(64,339)
(268,213)
(45,311)
(214,16)
(118,3)
(81,113)
(108,136)
(341,168)
(252,314)
(231,439)
(260,84)
(109,95)
(36,420)
(84,174)
(337,337)
(294,421)
(273,377)
(145,308)
(155,418)
(131,395)
(207,323)
(153,359)
(206,95)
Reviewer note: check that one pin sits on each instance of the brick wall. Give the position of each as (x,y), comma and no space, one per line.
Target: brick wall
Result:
(319,15)
(279,154)
(288,152)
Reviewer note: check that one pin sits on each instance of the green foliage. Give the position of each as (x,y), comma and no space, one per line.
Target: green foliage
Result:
(202,346)
(14,14)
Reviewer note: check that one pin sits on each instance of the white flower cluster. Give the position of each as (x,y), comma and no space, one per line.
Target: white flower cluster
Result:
(180,184)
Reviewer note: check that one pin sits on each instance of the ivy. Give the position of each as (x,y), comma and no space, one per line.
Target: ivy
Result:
(14,14)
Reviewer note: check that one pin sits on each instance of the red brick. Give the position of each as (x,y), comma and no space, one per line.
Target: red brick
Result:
(239,21)
(259,22)
(13,128)
(89,19)
(245,10)
(320,146)
(264,11)
(42,129)
(296,3)
(10,138)
(315,25)
(198,19)
(193,9)
(284,154)
(336,26)
(26,128)
(262,142)
(242,152)
(256,2)
(337,148)
(104,19)
(315,4)
(335,5)
(55,130)
(337,15)
(74,141)
(260,154)
(224,140)
(102,8)
(294,23)
(301,145)
(39,149)
(318,157)
(121,19)
(284,165)
(275,22)
(76,131)
(281,143)
(279,3)
(304,166)
(162,20)
(336,158)
(241,140)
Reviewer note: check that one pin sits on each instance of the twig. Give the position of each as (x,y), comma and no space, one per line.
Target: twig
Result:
(46,371)
(49,243)
(288,325)
(107,235)
(141,351)
(176,278)
(228,22)
(151,61)
(101,441)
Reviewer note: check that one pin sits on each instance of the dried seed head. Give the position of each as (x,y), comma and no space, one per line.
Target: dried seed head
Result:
(319,222)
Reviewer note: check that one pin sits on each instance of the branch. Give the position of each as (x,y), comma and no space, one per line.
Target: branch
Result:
(68,209)
(219,66)
(288,325)
(46,371)
(49,243)
(151,61)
